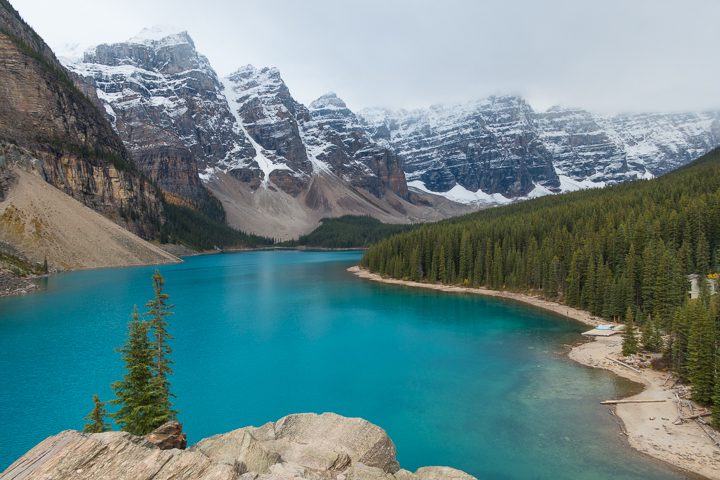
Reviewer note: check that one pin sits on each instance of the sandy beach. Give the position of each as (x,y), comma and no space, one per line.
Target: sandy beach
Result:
(652,428)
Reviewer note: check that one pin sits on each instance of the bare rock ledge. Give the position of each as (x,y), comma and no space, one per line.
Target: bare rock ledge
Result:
(302,446)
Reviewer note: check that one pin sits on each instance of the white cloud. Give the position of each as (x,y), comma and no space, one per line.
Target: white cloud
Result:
(615,55)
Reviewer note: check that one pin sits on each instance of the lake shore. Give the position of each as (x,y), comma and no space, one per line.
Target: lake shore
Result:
(651,428)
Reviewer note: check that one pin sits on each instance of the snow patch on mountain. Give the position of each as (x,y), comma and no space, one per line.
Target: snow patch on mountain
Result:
(160,36)
(233,95)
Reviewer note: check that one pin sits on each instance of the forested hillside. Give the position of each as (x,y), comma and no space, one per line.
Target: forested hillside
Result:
(349,231)
(606,251)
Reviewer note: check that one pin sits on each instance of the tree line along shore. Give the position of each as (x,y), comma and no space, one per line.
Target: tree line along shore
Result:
(623,253)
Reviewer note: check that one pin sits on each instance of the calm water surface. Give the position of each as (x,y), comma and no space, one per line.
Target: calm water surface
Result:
(475,383)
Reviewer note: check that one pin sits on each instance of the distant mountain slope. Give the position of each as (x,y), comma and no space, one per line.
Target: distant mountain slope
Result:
(498,149)
(277,166)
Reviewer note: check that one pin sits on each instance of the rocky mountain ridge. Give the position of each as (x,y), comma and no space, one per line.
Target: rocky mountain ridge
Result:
(276,166)
(309,446)
(499,149)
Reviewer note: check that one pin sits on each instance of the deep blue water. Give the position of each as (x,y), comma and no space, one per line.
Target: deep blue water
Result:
(478,384)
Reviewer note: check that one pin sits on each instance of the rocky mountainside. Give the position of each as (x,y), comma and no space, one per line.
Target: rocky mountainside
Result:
(277,166)
(40,223)
(499,149)
(166,103)
(49,127)
(310,446)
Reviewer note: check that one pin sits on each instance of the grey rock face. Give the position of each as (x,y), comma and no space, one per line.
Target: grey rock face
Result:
(299,141)
(44,118)
(181,122)
(491,145)
(337,138)
(165,101)
(266,112)
(501,145)
(310,446)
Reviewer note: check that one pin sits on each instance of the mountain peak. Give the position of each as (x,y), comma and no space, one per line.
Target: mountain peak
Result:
(162,36)
(328,101)
(262,74)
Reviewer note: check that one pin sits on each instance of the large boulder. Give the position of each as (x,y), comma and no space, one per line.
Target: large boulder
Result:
(442,473)
(302,446)
(168,435)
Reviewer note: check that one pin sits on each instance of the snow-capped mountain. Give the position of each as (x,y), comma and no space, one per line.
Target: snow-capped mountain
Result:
(499,149)
(276,165)
(167,104)
(336,139)
(489,146)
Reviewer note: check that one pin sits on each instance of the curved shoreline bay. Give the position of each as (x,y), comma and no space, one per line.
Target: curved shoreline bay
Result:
(649,427)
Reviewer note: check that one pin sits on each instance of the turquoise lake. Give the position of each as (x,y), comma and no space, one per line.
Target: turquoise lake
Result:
(478,384)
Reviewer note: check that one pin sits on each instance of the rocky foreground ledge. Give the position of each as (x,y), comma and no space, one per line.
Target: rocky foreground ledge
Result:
(302,446)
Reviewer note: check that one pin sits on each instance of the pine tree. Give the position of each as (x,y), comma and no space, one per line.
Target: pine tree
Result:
(716,394)
(158,311)
(465,259)
(96,418)
(679,341)
(629,343)
(135,393)
(701,353)
(650,336)
(442,273)
(572,296)
(702,255)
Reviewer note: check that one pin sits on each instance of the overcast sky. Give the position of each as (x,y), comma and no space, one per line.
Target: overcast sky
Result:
(607,56)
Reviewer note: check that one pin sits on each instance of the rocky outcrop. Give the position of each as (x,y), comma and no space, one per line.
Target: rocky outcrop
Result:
(311,446)
(168,436)
(45,118)
(499,149)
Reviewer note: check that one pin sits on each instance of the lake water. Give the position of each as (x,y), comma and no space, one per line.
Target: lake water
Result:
(474,383)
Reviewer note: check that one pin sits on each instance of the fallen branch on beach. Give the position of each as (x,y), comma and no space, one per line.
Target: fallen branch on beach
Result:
(696,415)
(703,426)
(630,400)
(624,364)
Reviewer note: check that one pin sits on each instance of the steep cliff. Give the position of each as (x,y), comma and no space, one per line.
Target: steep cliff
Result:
(165,102)
(51,128)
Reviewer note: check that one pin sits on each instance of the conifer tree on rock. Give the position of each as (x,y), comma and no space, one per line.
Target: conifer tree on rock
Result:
(96,418)
(136,394)
(158,311)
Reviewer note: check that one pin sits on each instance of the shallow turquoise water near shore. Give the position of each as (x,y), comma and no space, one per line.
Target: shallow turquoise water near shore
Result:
(475,383)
